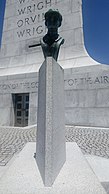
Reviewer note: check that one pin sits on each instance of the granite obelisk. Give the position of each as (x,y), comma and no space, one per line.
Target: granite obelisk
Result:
(50,148)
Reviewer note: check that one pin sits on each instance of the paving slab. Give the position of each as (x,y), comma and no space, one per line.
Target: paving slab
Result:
(100,166)
(76,176)
(106,186)
(91,140)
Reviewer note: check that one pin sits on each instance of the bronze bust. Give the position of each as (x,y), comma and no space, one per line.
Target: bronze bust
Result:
(51,42)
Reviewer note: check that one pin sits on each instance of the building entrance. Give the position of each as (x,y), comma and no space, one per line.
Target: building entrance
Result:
(21,109)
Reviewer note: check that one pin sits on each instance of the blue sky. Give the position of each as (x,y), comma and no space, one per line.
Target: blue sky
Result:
(96,28)
(2,6)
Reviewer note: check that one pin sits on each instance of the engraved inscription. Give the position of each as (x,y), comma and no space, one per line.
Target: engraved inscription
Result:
(30,17)
(100,81)
(81,81)
(19,85)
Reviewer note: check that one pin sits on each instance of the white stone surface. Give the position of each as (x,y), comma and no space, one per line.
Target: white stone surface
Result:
(86,96)
(100,167)
(76,176)
(4,169)
(50,149)
(24,26)
(33,108)
(12,84)
(6,109)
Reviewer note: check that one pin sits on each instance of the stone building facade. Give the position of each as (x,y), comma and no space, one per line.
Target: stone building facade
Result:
(85,80)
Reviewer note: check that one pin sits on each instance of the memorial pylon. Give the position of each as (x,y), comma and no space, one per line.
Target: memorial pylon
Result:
(50,146)
(20,63)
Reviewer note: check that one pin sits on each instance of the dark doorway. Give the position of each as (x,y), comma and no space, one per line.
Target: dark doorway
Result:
(21,109)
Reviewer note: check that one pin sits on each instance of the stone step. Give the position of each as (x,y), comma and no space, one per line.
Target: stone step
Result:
(76,176)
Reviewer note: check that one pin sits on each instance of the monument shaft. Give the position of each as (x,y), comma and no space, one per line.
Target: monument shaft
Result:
(50,146)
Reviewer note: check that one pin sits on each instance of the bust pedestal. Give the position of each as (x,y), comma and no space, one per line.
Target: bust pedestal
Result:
(50,143)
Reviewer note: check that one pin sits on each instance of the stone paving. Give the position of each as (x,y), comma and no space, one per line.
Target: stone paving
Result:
(91,141)
(12,140)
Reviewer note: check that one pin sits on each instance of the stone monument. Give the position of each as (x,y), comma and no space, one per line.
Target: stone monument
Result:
(86,81)
(50,148)
(50,144)
(75,176)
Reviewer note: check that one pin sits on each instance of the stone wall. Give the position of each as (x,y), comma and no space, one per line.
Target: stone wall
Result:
(24,26)
(10,85)
(87,97)
(86,83)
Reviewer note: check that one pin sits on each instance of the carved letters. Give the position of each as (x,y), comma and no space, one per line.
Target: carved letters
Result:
(70,83)
(31,16)
(88,80)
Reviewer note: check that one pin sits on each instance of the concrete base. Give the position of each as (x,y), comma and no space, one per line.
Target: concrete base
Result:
(76,176)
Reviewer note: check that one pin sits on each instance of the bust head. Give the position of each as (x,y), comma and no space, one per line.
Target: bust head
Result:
(51,42)
(53,19)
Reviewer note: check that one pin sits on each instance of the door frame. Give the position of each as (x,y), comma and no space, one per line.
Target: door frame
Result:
(21,109)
